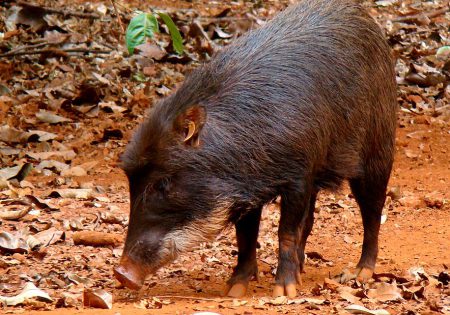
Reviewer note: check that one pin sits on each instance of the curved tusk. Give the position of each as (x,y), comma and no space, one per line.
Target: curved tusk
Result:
(191,131)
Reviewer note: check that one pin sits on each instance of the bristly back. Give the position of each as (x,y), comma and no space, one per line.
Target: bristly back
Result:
(314,60)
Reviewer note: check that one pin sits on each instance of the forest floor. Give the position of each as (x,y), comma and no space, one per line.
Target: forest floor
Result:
(69,115)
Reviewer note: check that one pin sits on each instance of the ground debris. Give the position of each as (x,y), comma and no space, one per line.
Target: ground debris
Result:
(92,238)
(69,97)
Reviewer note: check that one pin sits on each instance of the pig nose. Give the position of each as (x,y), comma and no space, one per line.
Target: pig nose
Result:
(130,274)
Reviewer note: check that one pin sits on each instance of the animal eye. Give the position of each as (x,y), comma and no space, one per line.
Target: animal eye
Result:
(162,185)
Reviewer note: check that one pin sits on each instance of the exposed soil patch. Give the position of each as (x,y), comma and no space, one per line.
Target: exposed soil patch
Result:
(88,104)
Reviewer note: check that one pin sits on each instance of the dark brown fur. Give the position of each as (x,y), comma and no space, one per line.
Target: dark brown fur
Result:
(299,105)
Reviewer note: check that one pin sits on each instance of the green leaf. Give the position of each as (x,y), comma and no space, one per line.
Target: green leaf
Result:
(141,26)
(140,77)
(174,32)
(443,53)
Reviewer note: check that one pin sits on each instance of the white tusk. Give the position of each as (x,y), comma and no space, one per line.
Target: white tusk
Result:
(191,131)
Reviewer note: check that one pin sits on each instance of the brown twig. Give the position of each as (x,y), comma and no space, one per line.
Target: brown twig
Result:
(55,51)
(27,47)
(420,16)
(118,16)
(409,110)
(181,297)
(225,18)
(58,11)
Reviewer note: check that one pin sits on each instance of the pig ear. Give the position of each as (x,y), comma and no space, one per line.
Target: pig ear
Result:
(189,125)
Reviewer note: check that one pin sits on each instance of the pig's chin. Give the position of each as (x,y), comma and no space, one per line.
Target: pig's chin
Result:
(183,240)
(192,234)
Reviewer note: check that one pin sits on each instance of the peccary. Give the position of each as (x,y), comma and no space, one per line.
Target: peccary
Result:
(299,105)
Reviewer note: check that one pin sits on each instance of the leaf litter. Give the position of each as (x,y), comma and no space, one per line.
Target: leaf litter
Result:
(74,121)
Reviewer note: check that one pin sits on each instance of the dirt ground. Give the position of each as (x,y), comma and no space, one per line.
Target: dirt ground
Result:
(415,236)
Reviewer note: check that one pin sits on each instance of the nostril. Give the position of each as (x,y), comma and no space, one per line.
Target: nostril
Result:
(130,275)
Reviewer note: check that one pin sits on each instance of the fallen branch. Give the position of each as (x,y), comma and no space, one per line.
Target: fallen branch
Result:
(421,16)
(59,11)
(97,239)
(56,52)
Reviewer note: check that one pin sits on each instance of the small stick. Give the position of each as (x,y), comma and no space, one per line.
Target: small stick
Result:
(49,51)
(28,47)
(416,17)
(225,18)
(58,11)
(181,297)
(118,16)
(410,111)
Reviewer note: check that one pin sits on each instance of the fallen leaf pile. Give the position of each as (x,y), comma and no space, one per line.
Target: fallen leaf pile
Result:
(70,96)
(419,35)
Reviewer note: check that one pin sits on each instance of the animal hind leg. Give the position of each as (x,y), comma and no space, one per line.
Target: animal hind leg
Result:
(370,194)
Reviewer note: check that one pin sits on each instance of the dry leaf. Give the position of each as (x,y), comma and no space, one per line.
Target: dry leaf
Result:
(314,301)
(77,279)
(150,51)
(280,300)
(74,172)
(52,164)
(347,296)
(221,33)
(67,155)
(86,193)
(32,16)
(51,118)
(237,303)
(50,236)
(384,292)
(411,154)
(358,309)
(12,135)
(36,203)
(417,273)
(331,285)
(14,214)
(97,299)
(112,107)
(3,183)
(43,135)
(19,172)
(30,291)
(12,243)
